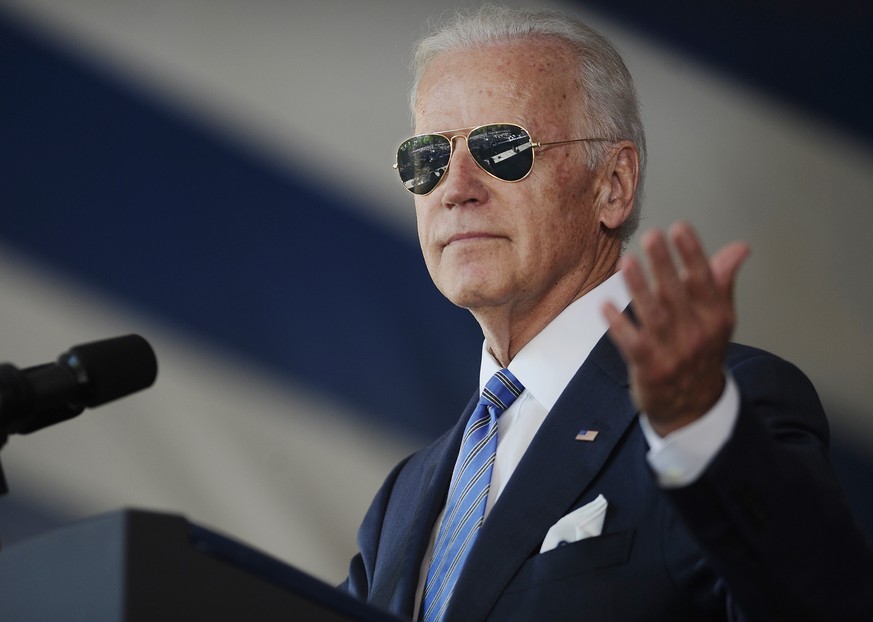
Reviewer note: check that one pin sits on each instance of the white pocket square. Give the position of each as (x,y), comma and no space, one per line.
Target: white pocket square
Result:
(584,522)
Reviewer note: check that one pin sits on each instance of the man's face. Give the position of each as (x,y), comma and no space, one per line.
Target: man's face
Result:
(489,243)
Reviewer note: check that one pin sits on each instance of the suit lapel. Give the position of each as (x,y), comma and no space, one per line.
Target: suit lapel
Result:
(559,468)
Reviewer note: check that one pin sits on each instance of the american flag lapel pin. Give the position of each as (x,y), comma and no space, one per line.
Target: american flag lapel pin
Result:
(587,435)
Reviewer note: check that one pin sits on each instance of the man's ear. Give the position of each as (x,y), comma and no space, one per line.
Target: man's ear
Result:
(619,178)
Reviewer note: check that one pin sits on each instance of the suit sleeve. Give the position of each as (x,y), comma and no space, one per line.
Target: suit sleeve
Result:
(769,512)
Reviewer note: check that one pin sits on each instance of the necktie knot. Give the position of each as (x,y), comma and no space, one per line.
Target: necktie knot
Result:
(501,391)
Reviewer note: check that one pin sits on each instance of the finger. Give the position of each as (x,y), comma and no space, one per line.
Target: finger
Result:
(636,282)
(650,309)
(664,274)
(697,270)
(622,331)
(726,264)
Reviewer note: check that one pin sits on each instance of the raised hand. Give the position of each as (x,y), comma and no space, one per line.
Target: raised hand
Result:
(684,320)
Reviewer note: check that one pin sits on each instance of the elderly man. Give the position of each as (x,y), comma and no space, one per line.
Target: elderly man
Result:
(625,461)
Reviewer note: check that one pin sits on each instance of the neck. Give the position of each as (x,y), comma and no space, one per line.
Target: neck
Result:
(508,328)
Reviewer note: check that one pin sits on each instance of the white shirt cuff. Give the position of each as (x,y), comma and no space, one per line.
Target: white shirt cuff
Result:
(679,458)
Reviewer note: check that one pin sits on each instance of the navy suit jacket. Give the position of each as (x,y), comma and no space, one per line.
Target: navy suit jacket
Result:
(764,534)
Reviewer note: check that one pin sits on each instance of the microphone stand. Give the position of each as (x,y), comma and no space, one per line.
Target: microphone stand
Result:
(4,489)
(25,425)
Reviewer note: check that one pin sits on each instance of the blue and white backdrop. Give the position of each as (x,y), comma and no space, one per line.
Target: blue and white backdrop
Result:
(216,176)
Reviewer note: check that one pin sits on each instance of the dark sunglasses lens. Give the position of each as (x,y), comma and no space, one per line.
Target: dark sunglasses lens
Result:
(422,161)
(503,150)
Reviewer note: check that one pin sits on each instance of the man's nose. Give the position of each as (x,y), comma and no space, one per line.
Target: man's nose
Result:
(464,179)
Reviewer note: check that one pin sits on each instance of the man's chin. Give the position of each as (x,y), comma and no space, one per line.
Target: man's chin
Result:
(475,299)
(471,284)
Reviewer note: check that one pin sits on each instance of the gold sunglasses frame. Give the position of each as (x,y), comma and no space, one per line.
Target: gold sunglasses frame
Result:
(465,132)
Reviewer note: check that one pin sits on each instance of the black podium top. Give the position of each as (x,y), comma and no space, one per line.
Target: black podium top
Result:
(133,566)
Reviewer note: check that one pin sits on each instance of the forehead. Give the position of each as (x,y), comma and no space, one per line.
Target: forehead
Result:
(532,82)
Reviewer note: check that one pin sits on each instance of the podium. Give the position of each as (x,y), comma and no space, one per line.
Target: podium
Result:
(137,566)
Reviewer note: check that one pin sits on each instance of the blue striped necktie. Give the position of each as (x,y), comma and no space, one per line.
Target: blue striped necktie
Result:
(468,493)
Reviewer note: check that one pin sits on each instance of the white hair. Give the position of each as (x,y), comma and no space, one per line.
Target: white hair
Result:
(607,90)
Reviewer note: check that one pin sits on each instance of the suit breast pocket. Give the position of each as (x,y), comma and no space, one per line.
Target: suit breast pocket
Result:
(573,559)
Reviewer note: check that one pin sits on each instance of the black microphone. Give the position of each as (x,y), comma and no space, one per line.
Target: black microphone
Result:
(88,375)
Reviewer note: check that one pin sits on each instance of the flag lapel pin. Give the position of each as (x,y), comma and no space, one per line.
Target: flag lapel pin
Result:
(587,435)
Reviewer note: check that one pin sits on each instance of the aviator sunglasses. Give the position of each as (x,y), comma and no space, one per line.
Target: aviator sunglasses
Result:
(503,150)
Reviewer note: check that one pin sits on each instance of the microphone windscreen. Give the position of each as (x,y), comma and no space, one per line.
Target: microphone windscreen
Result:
(112,368)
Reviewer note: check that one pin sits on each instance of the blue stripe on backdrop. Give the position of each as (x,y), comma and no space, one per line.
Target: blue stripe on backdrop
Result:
(116,191)
(814,55)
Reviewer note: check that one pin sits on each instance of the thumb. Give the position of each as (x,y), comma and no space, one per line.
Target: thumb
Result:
(726,263)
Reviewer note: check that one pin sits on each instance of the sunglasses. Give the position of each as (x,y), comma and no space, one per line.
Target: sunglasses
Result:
(503,150)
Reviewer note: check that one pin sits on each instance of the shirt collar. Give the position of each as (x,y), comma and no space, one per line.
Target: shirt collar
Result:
(547,363)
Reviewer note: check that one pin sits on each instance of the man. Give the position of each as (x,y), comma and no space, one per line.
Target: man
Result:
(645,468)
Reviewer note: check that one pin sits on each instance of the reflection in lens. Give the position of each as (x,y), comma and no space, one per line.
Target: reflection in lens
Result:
(505,150)
(422,161)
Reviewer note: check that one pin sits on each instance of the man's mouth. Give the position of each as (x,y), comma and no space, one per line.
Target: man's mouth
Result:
(470,236)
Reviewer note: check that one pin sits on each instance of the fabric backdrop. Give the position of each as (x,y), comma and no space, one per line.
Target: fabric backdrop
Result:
(216,176)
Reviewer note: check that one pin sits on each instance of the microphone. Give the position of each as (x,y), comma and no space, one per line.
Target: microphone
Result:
(88,375)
